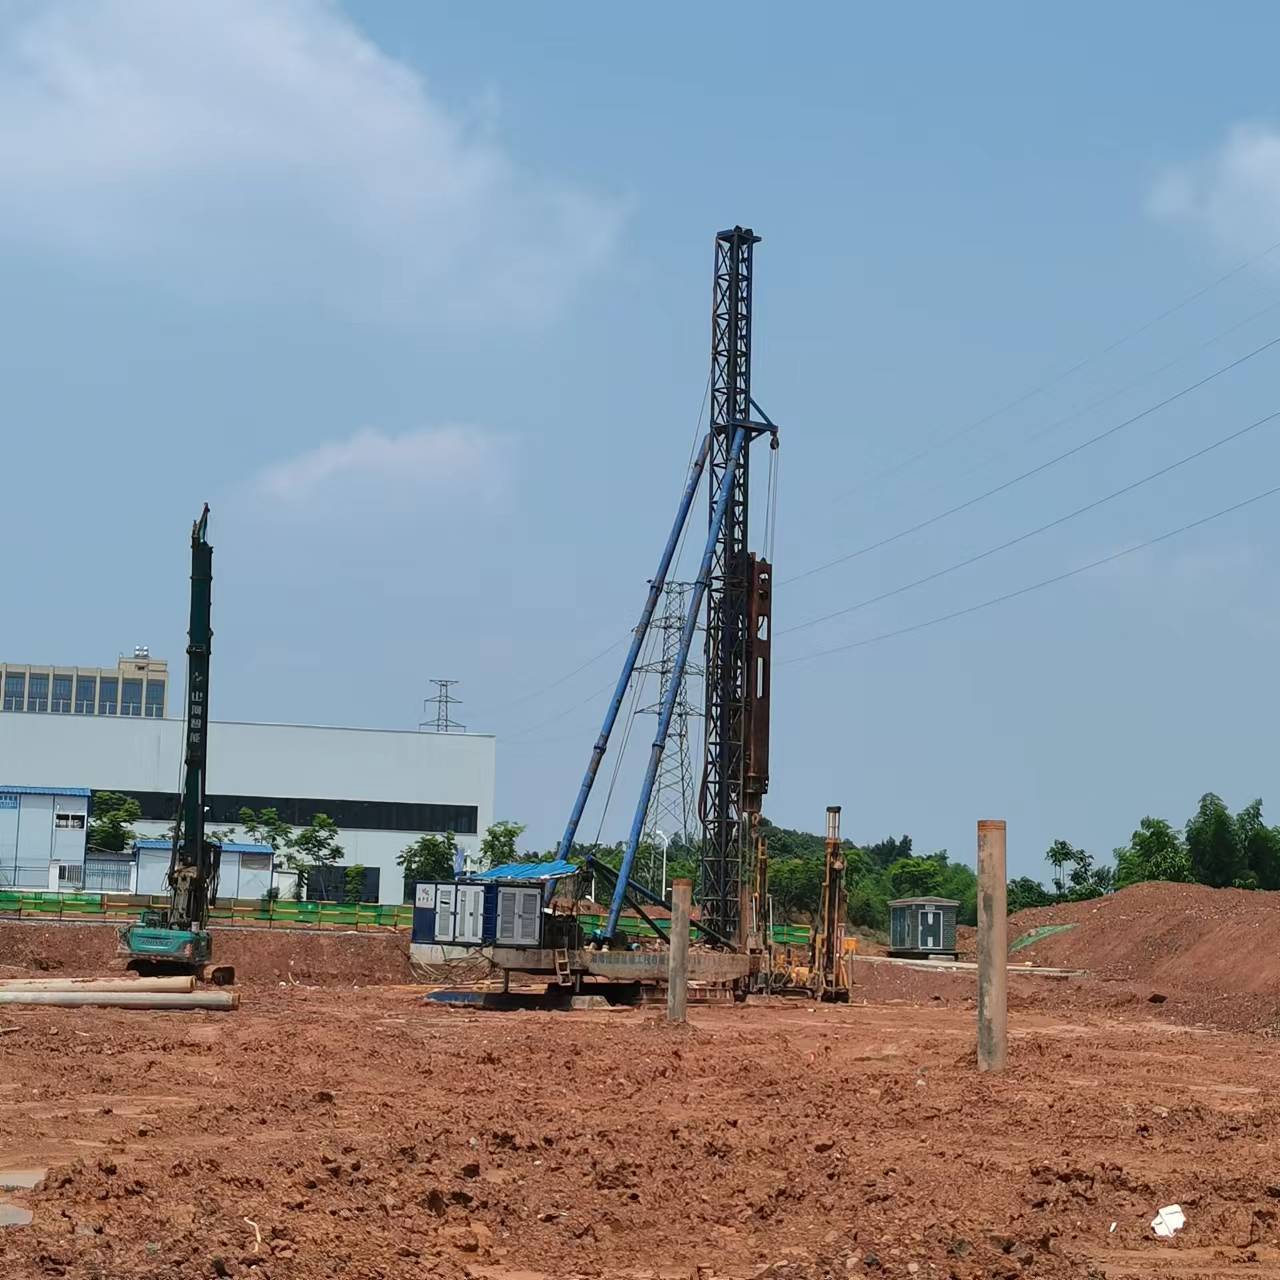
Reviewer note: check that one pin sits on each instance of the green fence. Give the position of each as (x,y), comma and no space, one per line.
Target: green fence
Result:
(286,914)
(279,914)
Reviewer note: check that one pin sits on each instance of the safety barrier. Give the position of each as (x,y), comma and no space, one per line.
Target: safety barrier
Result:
(286,914)
(277,914)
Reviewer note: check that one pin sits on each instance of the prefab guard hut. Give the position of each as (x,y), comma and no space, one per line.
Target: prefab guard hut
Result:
(922,927)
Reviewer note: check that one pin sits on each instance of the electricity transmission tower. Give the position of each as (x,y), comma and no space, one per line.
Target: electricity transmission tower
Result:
(443,701)
(671,810)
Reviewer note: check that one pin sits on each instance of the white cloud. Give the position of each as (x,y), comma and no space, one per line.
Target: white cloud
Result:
(268,146)
(1233,194)
(439,463)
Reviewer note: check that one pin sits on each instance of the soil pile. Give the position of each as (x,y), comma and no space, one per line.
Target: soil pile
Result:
(1216,949)
(259,955)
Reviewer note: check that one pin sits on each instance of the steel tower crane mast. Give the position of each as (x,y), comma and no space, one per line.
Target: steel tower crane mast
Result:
(735,588)
(736,767)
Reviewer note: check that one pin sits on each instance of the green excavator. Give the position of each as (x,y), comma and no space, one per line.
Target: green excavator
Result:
(176,939)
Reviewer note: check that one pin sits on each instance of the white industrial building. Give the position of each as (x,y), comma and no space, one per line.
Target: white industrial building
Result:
(383,788)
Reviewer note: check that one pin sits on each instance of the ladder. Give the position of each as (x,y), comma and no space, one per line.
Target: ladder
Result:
(563,975)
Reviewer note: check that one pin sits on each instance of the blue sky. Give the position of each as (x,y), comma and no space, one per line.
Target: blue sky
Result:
(417,297)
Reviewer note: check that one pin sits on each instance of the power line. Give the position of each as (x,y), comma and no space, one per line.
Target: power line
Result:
(555,684)
(560,715)
(1031,533)
(624,639)
(1066,373)
(1114,394)
(1035,586)
(1036,470)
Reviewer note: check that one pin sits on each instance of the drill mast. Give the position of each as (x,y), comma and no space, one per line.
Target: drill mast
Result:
(736,766)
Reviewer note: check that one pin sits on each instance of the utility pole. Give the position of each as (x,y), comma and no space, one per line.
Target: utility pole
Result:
(671,811)
(678,951)
(443,701)
(993,947)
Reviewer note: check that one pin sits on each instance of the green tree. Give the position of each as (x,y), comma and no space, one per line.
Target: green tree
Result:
(1260,845)
(869,902)
(429,858)
(1213,844)
(795,884)
(1061,855)
(266,827)
(884,853)
(315,845)
(353,883)
(110,826)
(1155,852)
(960,882)
(1025,892)
(916,877)
(498,845)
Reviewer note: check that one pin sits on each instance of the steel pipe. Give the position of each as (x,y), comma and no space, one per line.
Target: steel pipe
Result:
(178,982)
(126,999)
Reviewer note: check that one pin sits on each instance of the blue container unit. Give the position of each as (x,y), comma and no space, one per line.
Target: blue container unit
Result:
(478,914)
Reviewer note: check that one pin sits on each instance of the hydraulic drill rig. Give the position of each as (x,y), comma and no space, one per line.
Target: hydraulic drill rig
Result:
(176,939)
(736,589)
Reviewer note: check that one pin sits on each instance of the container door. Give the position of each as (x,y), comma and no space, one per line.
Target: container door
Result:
(507,904)
(445,900)
(529,918)
(469,926)
(898,928)
(931,929)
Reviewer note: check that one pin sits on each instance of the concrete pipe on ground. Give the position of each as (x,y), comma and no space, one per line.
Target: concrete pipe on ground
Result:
(177,983)
(126,999)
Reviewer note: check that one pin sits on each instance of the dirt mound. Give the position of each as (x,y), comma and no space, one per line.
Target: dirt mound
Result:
(1217,948)
(259,955)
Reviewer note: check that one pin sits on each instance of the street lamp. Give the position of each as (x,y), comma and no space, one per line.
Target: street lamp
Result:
(666,844)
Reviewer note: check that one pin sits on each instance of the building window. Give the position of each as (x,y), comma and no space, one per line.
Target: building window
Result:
(86,695)
(131,697)
(15,686)
(255,862)
(107,688)
(359,815)
(155,699)
(69,821)
(38,693)
(61,703)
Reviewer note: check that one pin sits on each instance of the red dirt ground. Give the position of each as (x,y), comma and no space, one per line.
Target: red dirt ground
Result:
(327,1132)
(259,955)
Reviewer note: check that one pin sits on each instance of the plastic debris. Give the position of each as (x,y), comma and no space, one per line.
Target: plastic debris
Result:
(1168,1220)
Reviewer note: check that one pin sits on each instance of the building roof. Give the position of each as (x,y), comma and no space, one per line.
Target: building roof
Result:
(924,902)
(527,871)
(44,791)
(228,846)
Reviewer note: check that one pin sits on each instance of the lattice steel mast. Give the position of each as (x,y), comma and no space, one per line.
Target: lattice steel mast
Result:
(671,807)
(733,782)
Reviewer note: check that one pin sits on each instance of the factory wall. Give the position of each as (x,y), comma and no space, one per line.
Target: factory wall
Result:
(384,788)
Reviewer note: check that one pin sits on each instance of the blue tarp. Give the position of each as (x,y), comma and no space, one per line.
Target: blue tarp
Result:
(45,791)
(527,871)
(229,846)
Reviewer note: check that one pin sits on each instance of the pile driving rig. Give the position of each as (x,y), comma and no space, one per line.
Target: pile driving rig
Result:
(733,585)
(177,939)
